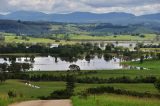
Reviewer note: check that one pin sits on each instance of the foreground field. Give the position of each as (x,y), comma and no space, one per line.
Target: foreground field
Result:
(30,93)
(114,100)
(47,87)
(26,92)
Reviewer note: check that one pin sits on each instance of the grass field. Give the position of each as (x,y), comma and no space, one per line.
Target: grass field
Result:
(29,93)
(113,73)
(47,87)
(151,64)
(10,39)
(111,38)
(114,100)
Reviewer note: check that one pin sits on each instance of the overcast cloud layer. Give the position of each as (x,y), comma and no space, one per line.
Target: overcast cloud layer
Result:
(137,7)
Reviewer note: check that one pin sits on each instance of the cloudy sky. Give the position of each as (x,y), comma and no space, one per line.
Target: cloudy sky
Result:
(136,7)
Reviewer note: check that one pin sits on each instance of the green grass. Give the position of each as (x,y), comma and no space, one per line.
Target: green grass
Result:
(10,39)
(109,73)
(47,87)
(118,38)
(151,64)
(4,102)
(114,100)
(123,72)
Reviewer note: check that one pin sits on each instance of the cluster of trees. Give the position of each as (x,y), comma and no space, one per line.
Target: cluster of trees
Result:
(108,89)
(95,80)
(15,67)
(124,79)
(138,34)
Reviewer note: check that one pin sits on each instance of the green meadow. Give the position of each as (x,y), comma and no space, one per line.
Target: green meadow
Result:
(12,38)
(114,100)
(9,38)
(110,38)
(28,93)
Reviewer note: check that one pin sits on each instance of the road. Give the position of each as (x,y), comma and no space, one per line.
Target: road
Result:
(44,103)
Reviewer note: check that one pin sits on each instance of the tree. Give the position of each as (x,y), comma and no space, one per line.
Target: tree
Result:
(109,47)
(141,59)
(2,77)
(157,85)
(158,56)
(70,84)
(66,93)
(3,67)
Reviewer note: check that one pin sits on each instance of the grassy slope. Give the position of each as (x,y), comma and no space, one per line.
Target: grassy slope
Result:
(48,87)
(114,100)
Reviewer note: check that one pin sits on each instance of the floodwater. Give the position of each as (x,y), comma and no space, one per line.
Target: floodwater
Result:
(49,63)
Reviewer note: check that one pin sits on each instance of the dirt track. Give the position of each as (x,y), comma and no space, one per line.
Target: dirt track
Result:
(44,103)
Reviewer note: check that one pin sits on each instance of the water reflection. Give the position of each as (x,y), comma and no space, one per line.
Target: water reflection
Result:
(49,63)
(89,62)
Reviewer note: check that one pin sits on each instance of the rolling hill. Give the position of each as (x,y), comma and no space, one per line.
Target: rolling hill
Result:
(41,28)
(83,17)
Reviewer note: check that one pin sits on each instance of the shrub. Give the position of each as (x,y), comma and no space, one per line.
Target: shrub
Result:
(108,89)
(157,85)
(59,94)
(12,94)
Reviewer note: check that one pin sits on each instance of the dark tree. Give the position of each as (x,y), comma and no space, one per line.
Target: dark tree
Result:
(157,85)
(70,84)
(141,59)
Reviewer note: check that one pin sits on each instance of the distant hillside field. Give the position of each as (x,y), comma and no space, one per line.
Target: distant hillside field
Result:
(75,38)
(45,29)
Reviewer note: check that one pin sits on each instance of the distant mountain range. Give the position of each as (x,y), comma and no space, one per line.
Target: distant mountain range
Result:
(84,17)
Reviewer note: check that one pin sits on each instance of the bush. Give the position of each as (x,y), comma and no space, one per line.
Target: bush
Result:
(108,89)
(59,94)
(157,85)
(12,94)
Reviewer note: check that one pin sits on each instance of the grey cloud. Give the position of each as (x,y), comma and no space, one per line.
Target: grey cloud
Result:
(119,3)
(97,6)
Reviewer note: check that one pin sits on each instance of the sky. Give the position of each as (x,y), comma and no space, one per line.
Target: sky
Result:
(137,7)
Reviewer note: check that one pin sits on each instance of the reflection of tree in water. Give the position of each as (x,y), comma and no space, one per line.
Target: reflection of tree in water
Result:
(99,56)
(15,67)
(56,59)
(88,57)
(107,57)
(4,58)
(12,59)
(32,59)
(69,59)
